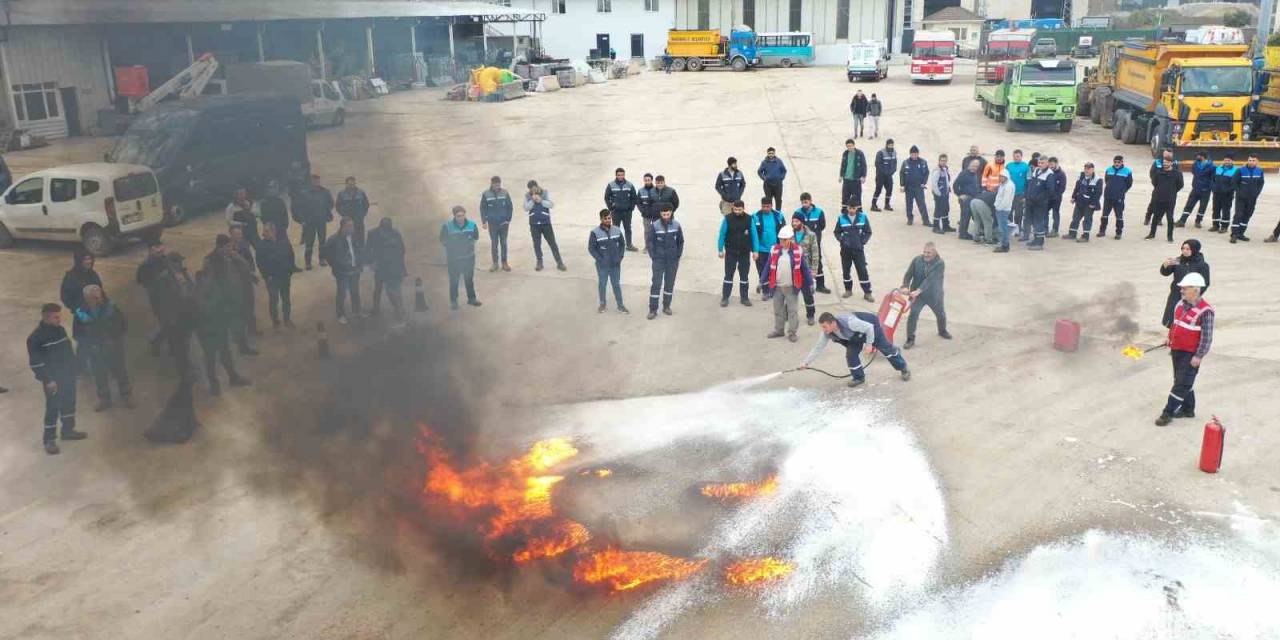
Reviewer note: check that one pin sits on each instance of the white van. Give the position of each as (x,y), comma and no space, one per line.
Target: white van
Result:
(867,61)
(96,204)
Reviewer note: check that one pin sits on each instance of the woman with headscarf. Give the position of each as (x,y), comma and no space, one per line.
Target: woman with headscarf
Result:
(1191,261)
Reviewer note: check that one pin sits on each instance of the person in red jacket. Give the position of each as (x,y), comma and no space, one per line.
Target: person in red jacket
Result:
(1190,337)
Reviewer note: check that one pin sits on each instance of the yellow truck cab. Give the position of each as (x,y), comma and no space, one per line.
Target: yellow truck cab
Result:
(1183,97)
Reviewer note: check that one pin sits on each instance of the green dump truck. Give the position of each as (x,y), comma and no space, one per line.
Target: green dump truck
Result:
(1027,91)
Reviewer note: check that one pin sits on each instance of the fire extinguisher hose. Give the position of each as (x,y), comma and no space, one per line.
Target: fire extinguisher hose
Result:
(832,375)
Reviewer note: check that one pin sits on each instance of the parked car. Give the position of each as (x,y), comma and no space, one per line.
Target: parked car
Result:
(204,148)
(6,176)
(96,204)
(1045,48)
(868,60)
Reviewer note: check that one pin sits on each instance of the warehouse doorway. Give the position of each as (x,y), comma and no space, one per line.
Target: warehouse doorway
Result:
(602,45)
(637,45)
(71,109)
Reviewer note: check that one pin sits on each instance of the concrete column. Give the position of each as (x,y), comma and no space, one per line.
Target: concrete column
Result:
(191,51)
(111,71)
(7,90)
(320,53)
(452,56)
(413,38)
(368,44)
(262,51)
(515,43)
(484,40)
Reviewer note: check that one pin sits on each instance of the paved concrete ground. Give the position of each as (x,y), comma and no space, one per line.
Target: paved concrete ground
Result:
(278,521)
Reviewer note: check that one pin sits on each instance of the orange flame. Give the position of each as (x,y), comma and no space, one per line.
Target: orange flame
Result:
(1132,352)
(623,570)
(599,472)
(757,570)
(739,490)
(516,495)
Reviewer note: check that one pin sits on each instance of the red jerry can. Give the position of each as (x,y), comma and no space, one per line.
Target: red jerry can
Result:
(1066,335)
(1215,438)
(893,308)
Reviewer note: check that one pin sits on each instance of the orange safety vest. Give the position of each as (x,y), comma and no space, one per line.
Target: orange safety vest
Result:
(991,176)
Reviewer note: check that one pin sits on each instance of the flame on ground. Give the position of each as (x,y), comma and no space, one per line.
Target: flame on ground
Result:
(738,490)
(601,472)
(515,497)
(622,570)
(1133,352)
(757,570)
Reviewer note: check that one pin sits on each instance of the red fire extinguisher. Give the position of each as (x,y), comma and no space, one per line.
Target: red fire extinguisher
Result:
(1215,436)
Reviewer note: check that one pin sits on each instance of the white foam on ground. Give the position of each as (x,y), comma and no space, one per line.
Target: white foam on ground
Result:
(857,504)
(1101,585)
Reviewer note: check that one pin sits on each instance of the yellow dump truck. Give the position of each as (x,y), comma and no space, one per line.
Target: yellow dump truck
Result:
(1266,111)
(1185,98)
(1094,78)
(695,50)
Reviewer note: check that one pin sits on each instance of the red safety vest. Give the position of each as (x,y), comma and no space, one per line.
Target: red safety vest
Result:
(797,276)
(1184,333)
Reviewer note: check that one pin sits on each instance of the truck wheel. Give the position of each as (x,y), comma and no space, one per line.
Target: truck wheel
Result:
(6,238)
(1010,124)
(1130,134)
(1065,126)
(1117,123)
(740,64)
(1082,105)
(999,114)
(1158,141)
(174,215)
(786,63)
(96,240)
(677,64)
(695,64)
(1095,111)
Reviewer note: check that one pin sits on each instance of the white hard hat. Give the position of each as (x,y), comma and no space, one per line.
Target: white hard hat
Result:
(786,233)
(1192,279)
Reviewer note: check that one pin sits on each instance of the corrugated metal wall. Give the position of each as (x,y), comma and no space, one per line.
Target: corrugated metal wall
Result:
(69,56)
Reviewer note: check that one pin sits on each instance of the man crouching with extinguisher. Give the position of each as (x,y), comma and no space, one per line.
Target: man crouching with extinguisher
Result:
(1190,336)
(854,331)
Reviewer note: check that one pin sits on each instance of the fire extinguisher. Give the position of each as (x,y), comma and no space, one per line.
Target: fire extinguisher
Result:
(1215,436)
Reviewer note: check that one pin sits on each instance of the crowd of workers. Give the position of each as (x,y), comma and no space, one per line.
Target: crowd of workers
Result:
(998,201)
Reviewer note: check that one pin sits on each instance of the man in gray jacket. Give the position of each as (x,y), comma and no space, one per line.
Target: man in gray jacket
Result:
(854,331)
(923,283)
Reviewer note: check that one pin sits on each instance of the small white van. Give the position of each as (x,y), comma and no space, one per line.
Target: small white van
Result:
(96,204)
(867,61)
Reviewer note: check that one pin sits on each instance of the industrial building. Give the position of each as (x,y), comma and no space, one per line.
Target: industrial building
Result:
(58,57)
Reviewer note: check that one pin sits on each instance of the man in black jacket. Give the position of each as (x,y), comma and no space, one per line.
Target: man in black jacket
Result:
(273,211)
(858,107)
(647,200)
(80,275)
(1055,201)
(54,365)
(968,185)
(664,239)
(1118,179)
(276,264)
(313,209)
(1042,183)
(620,199)
(1247,192)
(1225,180)
(735,244)
(853,172)
(343,255)
(495,215)
(662,194)
(386,253)
(914,177)
(354,204)
(99,327)
(730,184)
(1166,182)
(886,168)
(1087,198)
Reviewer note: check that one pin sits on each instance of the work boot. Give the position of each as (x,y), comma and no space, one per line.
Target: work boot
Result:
(1051,234)
(911,342)
(51,448)
(1150,236)
(323,263)
(1001,249)
(809,320)
(939,231)
(1084,238)
(72,434)
(632,247)
(906,375)
(1199,225)
(506,267)
(910,221)
(775,334)
(493,268)
(944,335)
(560,267)
(746,302)
(874,206)
(1035,247)
(475,303)
(1117,235)
(622,309)
(868,297)
(856,382)
(1242,238)
(453,306)
(1070,235)
(887,207)
(793,337)
(600,310)
(823,290)
(103,405)
(666,311)
(1183,413)
(1163,420)
(652,315)
(1181,224)
(1233,240)
(847,294)
(724,302)
(538,267)
(1269,239)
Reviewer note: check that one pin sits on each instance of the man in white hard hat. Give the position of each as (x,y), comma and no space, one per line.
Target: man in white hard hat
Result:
(1190,337)
(786,275)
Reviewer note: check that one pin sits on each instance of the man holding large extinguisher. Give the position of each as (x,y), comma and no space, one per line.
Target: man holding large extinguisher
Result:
(1190,337)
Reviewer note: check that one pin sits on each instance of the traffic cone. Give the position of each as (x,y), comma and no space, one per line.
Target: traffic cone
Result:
(419,296)
(322,342)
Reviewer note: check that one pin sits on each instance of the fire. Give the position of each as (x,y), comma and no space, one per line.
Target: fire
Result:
(757,570)
(623,570)
(599,473)
(1132,352)
(738,490)
(515,497)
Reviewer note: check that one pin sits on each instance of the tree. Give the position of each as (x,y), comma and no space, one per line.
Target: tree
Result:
(1237,18)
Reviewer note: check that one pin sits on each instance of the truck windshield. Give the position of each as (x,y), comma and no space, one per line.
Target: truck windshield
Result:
(1008,50)
(154,139)
(1217,81)
(934,50)
(1060,76)
(865,54)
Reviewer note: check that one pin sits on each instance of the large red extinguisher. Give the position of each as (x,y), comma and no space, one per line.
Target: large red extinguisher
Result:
(893,308)
(1215,436)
